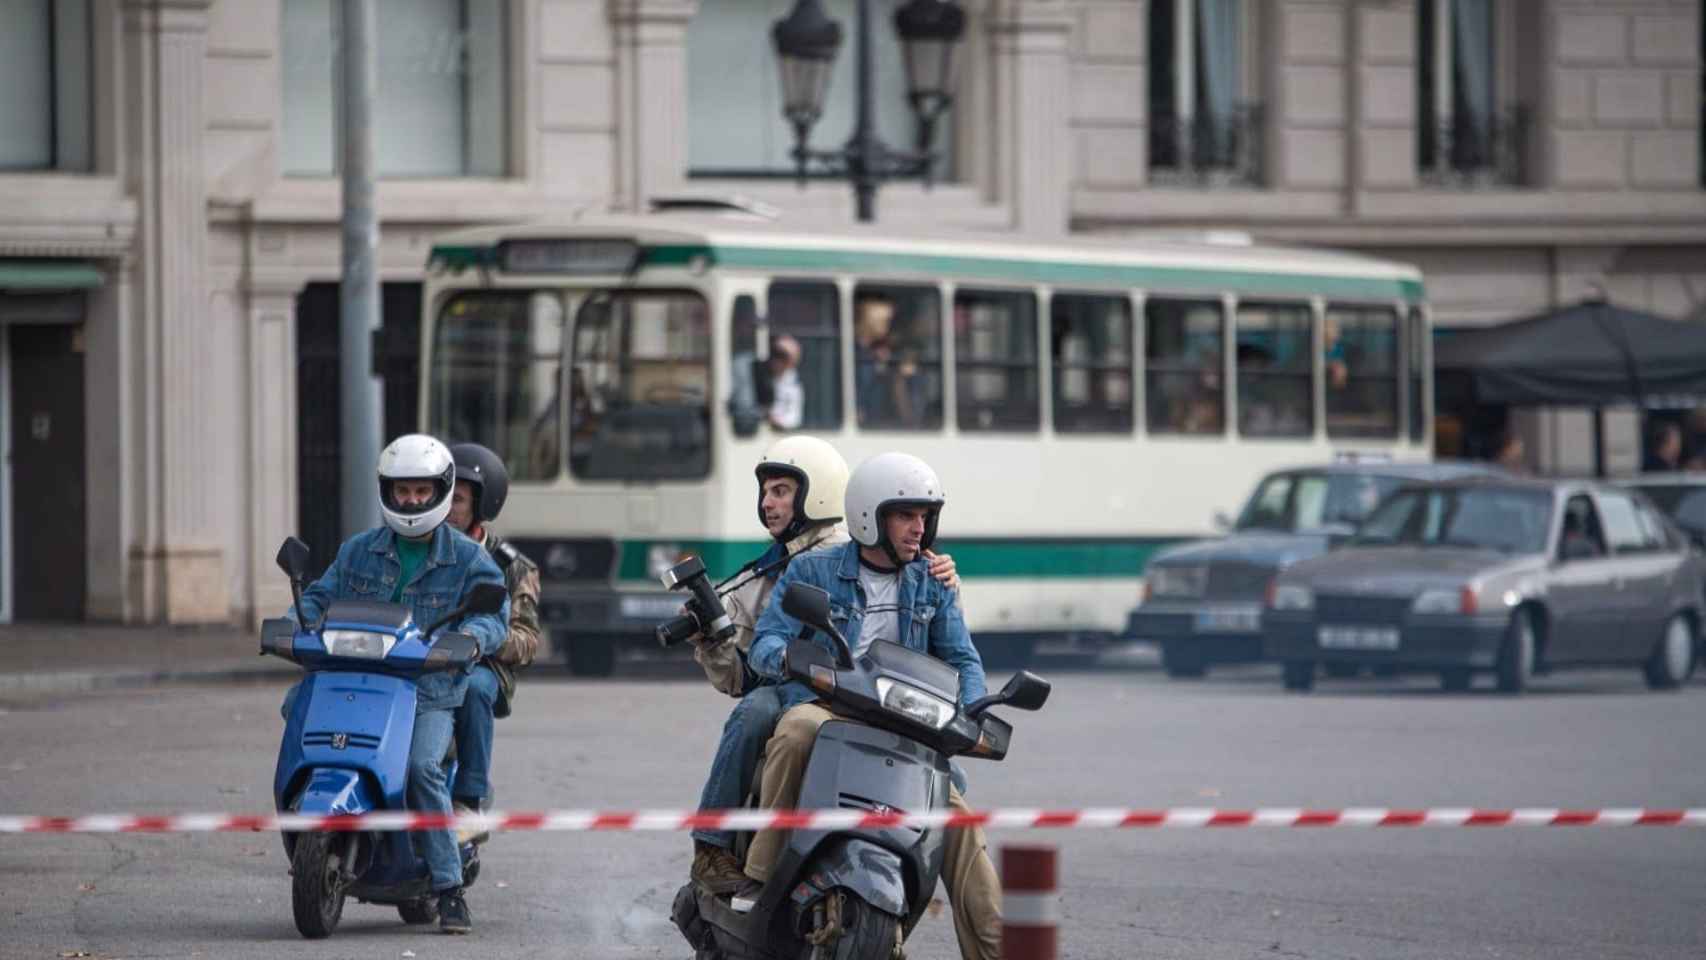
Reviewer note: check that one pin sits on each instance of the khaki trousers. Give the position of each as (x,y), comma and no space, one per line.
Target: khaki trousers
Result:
(973,888)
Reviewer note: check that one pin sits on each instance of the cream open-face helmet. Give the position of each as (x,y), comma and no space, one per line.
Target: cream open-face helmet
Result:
(821,473)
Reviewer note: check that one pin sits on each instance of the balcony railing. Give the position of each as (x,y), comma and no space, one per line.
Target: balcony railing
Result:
(1206,150)
(1469,151)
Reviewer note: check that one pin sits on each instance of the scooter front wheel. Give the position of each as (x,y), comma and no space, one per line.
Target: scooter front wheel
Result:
(316,889)
(866,932)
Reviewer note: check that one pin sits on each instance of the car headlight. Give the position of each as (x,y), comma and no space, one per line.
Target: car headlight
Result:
(358,643)
(1444,601)
(1177,581)
(660,557)
(1290,596)
(914,704)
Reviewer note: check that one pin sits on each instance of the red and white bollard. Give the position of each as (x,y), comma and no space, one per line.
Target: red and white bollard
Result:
(1030,903)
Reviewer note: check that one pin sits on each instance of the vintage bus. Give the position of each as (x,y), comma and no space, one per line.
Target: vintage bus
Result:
(1084,401)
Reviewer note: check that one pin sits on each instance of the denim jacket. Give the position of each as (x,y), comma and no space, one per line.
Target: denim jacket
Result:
(930,616)
(367,568)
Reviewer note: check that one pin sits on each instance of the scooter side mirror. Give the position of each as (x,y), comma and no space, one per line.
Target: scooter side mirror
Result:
(486,598)
(1026,691)
(293,559)
(807,604)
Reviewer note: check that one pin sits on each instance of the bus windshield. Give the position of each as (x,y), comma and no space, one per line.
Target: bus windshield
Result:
(495,372)
(640,386)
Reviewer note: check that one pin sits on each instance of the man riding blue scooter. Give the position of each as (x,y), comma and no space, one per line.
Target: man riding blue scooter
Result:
(414,559)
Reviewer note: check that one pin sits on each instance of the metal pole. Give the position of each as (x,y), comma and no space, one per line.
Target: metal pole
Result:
(864,147)
(359,287)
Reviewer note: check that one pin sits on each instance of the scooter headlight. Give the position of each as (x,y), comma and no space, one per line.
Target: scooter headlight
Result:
(364,644)
(914,704)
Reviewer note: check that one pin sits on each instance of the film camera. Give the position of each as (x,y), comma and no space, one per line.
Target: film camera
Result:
(705,613)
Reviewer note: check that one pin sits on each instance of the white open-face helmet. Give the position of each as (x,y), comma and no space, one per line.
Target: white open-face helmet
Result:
(821,474)
(891,480)
(416,456)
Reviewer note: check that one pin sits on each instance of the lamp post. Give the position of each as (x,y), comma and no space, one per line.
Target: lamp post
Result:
(806,44)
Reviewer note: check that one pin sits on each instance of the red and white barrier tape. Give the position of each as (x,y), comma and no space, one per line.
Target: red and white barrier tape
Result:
(582,820)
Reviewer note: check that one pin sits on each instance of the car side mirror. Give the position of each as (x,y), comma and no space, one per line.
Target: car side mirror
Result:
(1222,522)
(293,559)
(1025,691)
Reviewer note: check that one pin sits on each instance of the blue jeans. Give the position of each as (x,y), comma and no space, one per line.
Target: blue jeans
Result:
(747,729)
(474,736)
(429,792)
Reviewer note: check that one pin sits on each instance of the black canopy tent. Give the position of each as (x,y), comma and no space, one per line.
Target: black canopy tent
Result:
(1590,354)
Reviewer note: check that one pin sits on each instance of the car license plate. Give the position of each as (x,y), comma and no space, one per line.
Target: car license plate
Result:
(1229,620)
(650,608)
(1358,638)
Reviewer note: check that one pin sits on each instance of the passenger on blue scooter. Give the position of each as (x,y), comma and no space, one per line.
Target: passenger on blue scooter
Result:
(482,486)
(415,559)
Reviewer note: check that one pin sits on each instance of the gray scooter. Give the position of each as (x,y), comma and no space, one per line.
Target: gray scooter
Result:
(844,894)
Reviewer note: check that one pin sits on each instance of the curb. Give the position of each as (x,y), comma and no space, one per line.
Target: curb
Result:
(82,681)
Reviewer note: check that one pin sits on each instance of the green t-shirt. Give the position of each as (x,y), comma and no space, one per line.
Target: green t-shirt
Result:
(411,554)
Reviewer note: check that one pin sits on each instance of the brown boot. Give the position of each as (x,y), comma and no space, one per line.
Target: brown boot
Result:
(716,869)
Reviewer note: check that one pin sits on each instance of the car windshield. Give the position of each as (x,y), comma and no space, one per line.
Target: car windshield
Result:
(1486,518)
(1289,502)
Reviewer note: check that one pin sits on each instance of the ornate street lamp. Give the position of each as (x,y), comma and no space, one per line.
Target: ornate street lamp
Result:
(806,44)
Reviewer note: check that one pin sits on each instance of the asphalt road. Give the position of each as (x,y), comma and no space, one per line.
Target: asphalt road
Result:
(1107,738)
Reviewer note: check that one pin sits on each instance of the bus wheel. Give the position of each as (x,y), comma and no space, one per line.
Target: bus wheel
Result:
(591,657)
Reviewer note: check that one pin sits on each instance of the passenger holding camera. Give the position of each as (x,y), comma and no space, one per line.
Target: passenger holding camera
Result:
(802,482)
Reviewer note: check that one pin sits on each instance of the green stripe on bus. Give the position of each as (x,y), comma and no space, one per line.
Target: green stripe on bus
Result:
(974,557)
(1033,271)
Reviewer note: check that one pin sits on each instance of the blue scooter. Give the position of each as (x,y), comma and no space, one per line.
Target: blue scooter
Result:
(346,745)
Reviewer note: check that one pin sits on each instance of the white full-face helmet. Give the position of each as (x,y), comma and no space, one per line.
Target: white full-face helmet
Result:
(891,480)
(416,456)
(821,473)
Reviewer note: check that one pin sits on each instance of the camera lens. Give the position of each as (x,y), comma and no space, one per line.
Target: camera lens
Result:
(676,630)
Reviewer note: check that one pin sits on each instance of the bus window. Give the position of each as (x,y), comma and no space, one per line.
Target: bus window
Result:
(1417,362)
(640,387)
(995,360)
(1360,354)
(810,312)
(495,377)
(897,357)
(750,393)
(1184,391)
(1091,345)
(1276,370)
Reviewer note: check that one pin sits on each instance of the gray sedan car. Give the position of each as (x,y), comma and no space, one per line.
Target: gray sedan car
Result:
(1496,575)
(1202,601)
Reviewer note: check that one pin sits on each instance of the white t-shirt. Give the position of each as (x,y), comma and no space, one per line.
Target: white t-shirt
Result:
(882,607)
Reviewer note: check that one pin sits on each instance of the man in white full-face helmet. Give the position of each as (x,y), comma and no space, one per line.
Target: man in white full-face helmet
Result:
(879,579)
(416,559)
(802,486)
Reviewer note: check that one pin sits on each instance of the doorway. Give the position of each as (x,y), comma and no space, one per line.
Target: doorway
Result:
(45,461)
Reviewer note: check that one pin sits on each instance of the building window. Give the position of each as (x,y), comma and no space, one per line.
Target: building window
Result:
(45,69)
(1276,370)
(1091,346)
(1205,125)
(897,357)
(441,106)
(1465,67)
(734,115)
(1184,385)
(995,360)
(1359,352)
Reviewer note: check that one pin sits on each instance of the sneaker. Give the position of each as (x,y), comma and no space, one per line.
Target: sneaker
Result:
(468,833)
(453,915)
(716,870)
